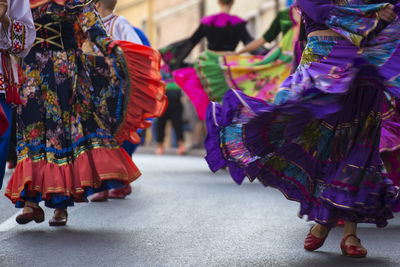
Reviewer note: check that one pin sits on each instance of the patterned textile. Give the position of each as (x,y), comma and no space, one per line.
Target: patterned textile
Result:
(255,75)
(261,76)
(319,142)
(77,108)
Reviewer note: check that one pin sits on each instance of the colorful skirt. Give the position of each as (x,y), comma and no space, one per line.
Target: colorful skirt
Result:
(261,77)
(77,109)
(255,76)
(258,76)
(318,143)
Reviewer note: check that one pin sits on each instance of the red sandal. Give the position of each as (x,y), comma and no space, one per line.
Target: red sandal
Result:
(37,215)
(312,242)
(352,251)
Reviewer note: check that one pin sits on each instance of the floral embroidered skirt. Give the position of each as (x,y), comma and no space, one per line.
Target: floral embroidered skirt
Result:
(319,142)
(77,109)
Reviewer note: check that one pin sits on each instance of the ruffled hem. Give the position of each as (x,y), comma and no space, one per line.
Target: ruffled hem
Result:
(373,204)
(146,97)
(3,122)
(95,170)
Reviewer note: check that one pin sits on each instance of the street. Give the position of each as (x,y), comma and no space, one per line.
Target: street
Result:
(180,214)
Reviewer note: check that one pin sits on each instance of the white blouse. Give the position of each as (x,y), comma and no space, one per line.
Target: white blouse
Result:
(18,38)
(119,28)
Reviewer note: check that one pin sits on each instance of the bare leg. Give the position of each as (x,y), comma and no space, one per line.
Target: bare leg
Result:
(319,230)
(350,228)
(181,148)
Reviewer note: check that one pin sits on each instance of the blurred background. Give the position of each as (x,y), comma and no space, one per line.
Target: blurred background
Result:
(167,21)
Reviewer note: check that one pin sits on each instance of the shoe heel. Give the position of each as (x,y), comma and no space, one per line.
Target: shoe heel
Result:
(39,219)
(344,252)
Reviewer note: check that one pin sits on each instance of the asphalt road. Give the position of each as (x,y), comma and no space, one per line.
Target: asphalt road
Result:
(180,214)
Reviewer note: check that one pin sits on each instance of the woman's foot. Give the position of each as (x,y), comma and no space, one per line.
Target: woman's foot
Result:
(31,212)
(351,247)
(159,150)
(100,196)
(316,237)
(60,218)
(120,193)
(181,150)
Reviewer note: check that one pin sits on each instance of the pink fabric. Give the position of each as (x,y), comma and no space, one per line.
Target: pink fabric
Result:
(221,20)
(188,80)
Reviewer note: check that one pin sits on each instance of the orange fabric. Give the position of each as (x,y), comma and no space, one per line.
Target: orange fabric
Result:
(3,121)
(147,97)
(87,170)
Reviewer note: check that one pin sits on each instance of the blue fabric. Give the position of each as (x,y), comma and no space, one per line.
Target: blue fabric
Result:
(289,2)
(142,36)
(129,147)
(5,138)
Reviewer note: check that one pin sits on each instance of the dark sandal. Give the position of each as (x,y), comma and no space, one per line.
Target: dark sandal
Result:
(37,215)
(59,221)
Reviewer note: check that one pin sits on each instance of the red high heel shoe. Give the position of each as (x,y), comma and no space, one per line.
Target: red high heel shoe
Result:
(312,242)
(340,222)
(37,215)
(352,251)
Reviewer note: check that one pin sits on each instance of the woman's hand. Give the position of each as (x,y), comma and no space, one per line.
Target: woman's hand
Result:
(4,20)
(387,14)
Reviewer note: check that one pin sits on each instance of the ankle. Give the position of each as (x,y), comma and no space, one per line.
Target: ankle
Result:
(320,230)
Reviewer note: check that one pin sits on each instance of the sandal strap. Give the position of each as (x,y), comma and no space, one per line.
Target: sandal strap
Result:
(62,210)
(31,206)
(351,235)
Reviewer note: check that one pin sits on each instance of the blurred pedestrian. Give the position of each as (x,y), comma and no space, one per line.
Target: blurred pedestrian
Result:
(206,80)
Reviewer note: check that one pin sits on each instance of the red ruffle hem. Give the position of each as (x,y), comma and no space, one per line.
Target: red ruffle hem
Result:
(147,97)
(89,169)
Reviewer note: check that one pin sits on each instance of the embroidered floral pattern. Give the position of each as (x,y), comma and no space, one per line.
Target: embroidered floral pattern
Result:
(18,33)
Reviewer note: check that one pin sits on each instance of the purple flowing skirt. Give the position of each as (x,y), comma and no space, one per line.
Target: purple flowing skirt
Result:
(319,143)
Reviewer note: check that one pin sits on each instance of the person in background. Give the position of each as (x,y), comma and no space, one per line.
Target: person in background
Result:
(17,34)
(206,80)
(174,113)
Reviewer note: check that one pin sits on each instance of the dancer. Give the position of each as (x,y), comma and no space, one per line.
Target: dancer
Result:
(17,35)
(118,28)
(223,32)
(319,142)
(76,110)
(174,113)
